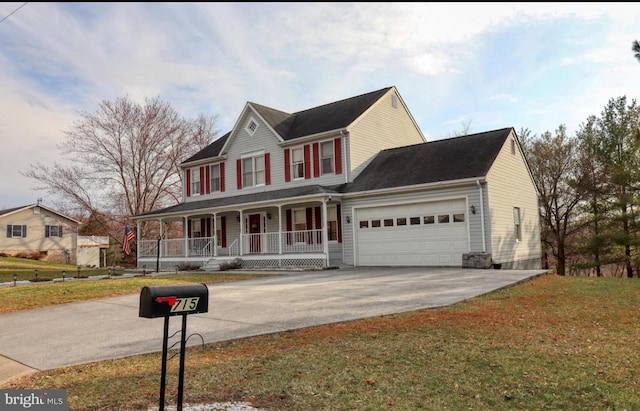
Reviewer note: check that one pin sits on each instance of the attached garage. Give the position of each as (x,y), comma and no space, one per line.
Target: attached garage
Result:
(429,233)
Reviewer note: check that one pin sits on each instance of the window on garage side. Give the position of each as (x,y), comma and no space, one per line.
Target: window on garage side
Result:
(517,223)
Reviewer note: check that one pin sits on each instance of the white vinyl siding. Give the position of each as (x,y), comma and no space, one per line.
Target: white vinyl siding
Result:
(382,127)
(509,185)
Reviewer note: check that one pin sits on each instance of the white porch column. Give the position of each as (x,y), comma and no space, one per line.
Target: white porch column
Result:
(185,234)
(138,237)
(159,236)
(215,236)
(279,229)
(241,232)
(325,235)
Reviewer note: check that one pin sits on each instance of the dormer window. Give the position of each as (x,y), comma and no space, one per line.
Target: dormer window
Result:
(252,126)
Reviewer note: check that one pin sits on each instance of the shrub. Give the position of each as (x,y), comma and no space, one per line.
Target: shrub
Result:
(187,267)
(230,265)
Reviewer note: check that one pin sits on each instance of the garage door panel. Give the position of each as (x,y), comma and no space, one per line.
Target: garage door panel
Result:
(413,244)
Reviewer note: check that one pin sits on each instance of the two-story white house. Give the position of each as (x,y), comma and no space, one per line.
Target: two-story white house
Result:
(353,182)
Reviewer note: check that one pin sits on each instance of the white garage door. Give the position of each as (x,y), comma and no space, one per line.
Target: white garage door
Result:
(433,233)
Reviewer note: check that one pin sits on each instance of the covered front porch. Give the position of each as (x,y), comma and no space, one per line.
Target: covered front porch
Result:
(303,234)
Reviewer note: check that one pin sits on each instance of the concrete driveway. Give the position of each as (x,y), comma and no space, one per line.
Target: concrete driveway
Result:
(109,328)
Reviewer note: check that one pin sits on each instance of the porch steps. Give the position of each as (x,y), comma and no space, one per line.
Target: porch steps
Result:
(214,264)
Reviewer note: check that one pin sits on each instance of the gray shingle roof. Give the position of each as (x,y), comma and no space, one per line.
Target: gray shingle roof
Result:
(332,116)
(210,151)
(441,160)
(245,199)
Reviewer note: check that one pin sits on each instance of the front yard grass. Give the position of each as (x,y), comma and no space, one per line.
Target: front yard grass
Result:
(553,343)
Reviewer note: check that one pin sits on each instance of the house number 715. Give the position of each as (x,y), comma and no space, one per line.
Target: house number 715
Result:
(185,304)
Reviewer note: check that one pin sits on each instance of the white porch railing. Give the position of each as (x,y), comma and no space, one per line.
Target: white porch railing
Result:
(287,242)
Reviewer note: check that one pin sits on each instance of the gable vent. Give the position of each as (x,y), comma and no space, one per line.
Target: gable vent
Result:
(252,126)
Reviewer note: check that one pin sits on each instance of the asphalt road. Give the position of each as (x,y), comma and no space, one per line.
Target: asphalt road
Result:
(79,333)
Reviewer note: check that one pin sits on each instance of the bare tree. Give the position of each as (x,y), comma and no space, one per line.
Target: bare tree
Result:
(123,159)
(553,161)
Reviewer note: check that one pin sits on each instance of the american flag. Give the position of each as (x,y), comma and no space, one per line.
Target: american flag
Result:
(128,236)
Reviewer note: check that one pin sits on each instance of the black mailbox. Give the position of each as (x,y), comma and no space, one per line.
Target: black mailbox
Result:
(162,301)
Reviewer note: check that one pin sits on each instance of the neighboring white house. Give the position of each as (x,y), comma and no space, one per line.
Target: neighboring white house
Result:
(36,230)
(92,251)
(353,182)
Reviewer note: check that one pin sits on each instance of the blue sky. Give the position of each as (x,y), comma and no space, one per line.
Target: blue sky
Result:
(485,65)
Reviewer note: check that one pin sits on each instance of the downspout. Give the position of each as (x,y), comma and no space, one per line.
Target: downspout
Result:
(484,240)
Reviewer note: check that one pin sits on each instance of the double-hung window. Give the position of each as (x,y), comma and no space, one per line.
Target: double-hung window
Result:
(53,231)
(517,223)
(215,177)
(326,153)
(253,171)
(297,163)
(195,181)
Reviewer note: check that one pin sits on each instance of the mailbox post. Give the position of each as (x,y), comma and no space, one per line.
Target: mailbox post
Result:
(167,301)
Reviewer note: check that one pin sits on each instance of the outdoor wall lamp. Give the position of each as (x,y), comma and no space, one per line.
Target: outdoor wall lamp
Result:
(473,209)
(348,218)
(268,216)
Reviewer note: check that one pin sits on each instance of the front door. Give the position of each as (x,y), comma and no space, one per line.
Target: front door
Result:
(254,230)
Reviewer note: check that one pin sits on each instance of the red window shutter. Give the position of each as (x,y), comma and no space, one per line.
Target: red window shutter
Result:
(339,217)
(318,216)
(289,226)
(207,184)
(203,227)
(202,180)
(267,168)
(307,161)
(337,152)
(189,228)
(188,183)
(221,176)
(223,230)
(239,173)
(316,160)
(287,164)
